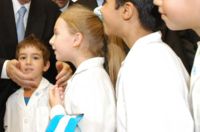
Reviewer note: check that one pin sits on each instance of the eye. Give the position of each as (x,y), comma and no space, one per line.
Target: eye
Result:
(36,57)
(22,57)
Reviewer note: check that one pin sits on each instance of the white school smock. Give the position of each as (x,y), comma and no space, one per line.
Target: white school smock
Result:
(195,91)
(34,116)
(152,89)
(90,92)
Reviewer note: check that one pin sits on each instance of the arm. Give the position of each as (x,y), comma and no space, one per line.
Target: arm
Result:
(156,93)
(62,123)
(59,120)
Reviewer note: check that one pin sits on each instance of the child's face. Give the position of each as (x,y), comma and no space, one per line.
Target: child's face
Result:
(62,41)
(31,62)
(111,17)
(179,14)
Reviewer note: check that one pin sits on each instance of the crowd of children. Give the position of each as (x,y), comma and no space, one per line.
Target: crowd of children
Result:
(153,90)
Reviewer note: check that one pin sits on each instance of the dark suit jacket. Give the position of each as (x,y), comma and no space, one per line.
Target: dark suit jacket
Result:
(184,44)
(89,3)
(41,20)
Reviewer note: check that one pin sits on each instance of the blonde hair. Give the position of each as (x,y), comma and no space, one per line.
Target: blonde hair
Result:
(116,54)
(83,20)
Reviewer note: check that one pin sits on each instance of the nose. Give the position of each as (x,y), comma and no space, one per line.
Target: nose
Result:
(51,41)
(28,60)
(157,2)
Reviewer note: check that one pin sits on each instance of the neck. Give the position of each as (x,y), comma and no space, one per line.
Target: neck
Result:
(132,36)
(22,2)
(81,58)
(29,91)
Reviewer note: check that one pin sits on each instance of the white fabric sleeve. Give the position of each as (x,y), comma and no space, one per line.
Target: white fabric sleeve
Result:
(3,72)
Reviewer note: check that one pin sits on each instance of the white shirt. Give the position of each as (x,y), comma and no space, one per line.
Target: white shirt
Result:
(195,89)
(65,7)
(16,7)
(152,89)
(100,2)
(34,116)
(90,92)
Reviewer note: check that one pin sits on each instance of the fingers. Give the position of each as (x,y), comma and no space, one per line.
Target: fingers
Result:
(64,74)
(52,96)
(59,66)
(23,80)
(56,96)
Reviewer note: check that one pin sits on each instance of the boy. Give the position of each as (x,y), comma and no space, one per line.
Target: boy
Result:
(173,12)
(151,88)
(27,110)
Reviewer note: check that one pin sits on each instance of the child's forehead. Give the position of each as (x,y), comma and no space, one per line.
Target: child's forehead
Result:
(30,48)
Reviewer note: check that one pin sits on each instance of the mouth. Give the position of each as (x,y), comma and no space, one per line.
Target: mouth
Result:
(160,10)
(28,70)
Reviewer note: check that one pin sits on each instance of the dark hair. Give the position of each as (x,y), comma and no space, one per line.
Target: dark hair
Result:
(32,41)
(148,13)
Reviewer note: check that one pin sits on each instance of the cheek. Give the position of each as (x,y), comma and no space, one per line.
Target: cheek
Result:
(107,22)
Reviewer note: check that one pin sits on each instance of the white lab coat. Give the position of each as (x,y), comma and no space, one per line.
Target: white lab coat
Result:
(152,89)
(34,116)
(90,92)
(195,91)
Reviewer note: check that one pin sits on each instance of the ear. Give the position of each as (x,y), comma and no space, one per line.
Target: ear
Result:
(78,38)
(128,11)
(46,67)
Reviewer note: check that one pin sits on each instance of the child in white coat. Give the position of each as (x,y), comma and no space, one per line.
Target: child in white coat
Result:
(152,84)
(27,110)
(180,15)
(78,38)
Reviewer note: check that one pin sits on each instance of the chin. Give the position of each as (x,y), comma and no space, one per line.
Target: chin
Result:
(59,58)
(174,27)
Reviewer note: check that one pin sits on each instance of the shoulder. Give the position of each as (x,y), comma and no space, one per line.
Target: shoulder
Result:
(15,96)
(46,5)
(51,6)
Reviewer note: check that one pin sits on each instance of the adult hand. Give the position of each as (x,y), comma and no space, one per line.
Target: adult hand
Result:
(14,73)
(64,73)
(56,96)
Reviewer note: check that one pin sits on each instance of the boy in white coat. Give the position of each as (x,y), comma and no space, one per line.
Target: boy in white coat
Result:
(180,15)
(152,84)
(27,110)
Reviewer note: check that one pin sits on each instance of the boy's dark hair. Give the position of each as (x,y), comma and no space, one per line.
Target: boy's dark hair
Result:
(32,41)
(148,13)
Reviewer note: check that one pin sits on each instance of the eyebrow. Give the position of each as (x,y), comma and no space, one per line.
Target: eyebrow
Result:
(31,54)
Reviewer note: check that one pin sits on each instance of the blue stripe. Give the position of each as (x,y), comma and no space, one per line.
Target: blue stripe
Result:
(73,122)
(53,123)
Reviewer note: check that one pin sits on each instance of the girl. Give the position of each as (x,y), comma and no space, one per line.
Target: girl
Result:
(78,38)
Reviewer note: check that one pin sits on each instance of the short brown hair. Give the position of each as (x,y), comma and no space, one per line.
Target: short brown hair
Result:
(33,41)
